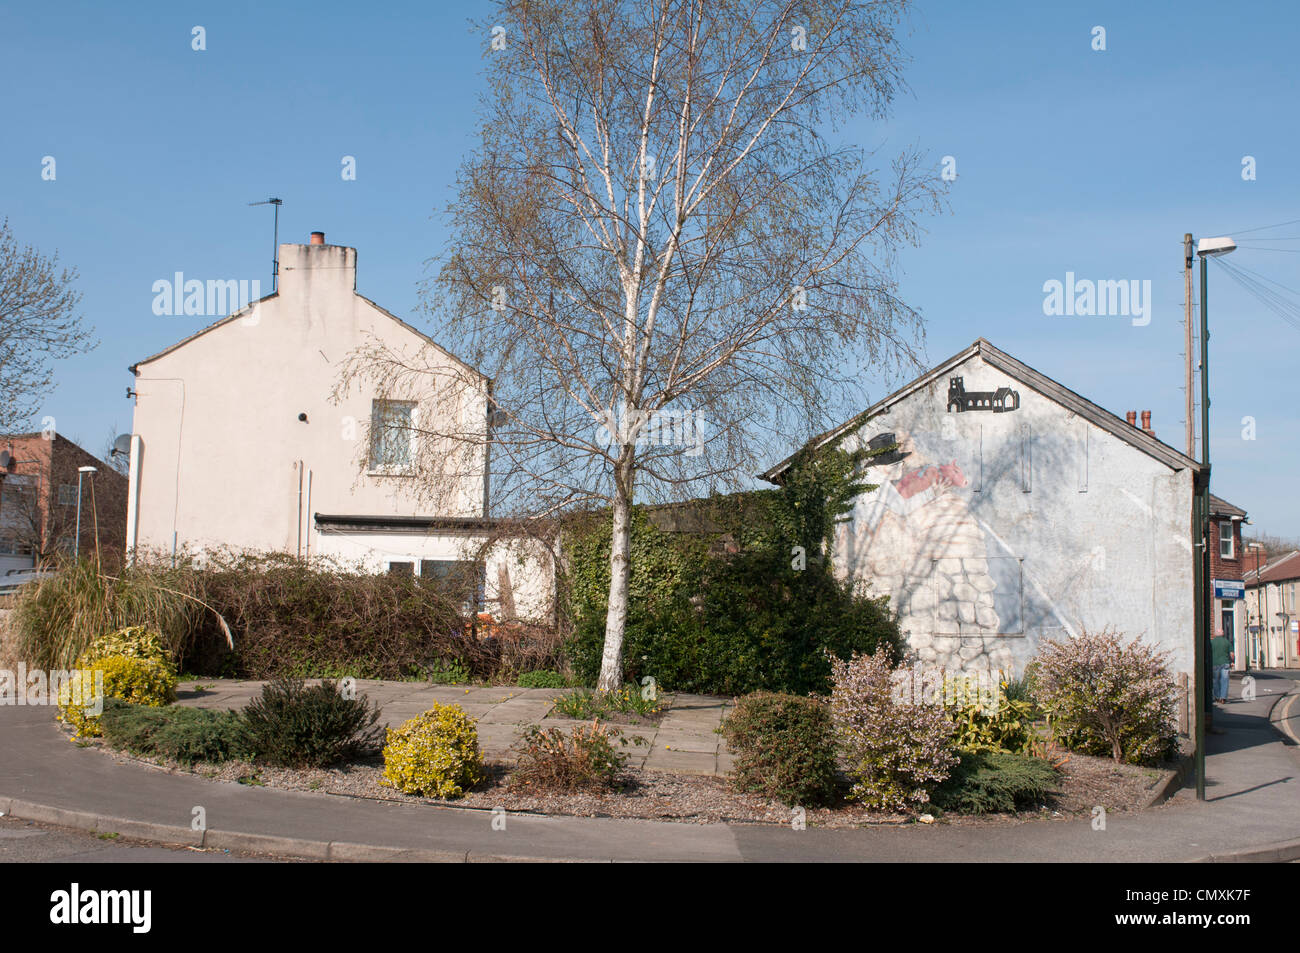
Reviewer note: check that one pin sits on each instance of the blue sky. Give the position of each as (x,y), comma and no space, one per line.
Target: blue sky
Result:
(1067,160)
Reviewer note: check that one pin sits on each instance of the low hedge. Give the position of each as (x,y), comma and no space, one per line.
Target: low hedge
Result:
(740,623)
(286,618)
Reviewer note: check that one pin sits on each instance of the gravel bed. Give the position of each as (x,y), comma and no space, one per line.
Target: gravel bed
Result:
(657,795)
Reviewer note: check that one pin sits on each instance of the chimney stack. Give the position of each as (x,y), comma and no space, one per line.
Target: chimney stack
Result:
(1146,422)
(1132,418)
(318,238)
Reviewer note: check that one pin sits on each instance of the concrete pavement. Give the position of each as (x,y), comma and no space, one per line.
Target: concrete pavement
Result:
(1253,796)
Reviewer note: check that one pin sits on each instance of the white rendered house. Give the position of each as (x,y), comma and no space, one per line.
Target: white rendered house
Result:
(243,438)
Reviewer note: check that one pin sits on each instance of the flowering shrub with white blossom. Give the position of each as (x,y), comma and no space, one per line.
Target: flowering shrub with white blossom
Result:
(896,752)
(1105,696)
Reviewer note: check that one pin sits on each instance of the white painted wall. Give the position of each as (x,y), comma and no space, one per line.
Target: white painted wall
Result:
(519,572)
(222,458)
(1006,549)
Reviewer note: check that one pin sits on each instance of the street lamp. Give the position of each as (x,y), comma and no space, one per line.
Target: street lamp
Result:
(1207,248)
(76,542)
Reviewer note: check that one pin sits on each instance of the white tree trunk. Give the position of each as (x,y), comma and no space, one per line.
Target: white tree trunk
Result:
(611,662)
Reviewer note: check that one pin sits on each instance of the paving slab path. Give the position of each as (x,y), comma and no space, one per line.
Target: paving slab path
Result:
(685,741)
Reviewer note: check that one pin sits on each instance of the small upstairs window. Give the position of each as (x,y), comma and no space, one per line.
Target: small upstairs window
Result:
(1226,549)
(392,435)
(67,494)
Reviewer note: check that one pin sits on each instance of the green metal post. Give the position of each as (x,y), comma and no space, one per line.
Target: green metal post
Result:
(1203,705)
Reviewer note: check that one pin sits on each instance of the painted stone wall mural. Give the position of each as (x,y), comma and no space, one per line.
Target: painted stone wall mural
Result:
(916,538)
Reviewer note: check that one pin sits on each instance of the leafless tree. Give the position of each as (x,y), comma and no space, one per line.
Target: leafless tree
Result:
(663,253)
(39,324)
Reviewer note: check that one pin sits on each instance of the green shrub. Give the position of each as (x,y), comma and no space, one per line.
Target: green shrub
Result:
(896,752)
(583,760)
(447,673)
(584,704)
(718,622)
(784,746)
(1105,696)
(542,678)
(187,735)
(435,754)
(984,723)
(293,725)
(996,782)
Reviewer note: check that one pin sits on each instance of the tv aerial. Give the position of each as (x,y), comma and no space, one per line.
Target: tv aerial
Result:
(275,250)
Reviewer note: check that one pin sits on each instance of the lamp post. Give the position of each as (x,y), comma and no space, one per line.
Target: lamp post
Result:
(1207,248)
(76,542)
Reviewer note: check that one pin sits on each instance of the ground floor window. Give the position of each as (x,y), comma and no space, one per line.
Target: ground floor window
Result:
(463,579)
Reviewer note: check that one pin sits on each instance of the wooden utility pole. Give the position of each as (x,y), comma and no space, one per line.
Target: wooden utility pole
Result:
(1187,309)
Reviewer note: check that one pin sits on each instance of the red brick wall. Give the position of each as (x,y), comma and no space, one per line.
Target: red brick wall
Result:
(1221,568)
(45,524)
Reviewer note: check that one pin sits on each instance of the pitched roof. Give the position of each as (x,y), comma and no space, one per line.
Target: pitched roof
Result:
(1022,372)
(134,368)
(1277,569)
(1220,507)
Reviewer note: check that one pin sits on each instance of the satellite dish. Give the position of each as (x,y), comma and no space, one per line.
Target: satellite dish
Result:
(122,444)
(6,458)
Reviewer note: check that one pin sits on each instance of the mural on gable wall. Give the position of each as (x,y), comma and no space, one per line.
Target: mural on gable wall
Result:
(917,538)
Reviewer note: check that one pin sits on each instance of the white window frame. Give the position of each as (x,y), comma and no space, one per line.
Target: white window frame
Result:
(1229,537)
(377,468)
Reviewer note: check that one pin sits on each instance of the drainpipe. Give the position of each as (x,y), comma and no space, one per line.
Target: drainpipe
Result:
(300,509)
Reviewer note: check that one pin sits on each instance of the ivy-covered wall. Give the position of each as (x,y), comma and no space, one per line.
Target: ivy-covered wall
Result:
(730,594)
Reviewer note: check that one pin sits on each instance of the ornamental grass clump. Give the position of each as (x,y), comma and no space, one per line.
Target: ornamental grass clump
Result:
(1105,696)
(896,752)
(434,754)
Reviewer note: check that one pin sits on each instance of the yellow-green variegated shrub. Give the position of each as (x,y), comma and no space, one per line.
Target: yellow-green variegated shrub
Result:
(140,681)
(434,754)
(134,666)
(137,641)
